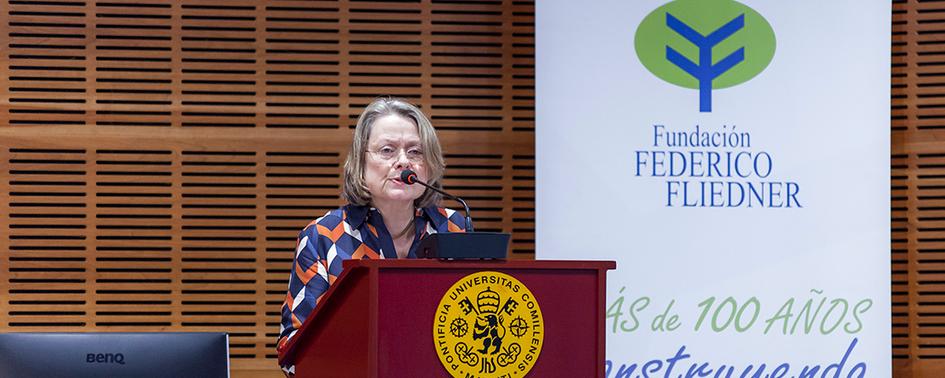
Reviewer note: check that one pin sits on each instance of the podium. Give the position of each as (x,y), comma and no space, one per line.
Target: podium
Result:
(377,319)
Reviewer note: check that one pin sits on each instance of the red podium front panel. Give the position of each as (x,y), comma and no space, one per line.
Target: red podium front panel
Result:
(377,319)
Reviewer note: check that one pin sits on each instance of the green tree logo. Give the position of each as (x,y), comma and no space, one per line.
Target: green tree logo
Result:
(705,45)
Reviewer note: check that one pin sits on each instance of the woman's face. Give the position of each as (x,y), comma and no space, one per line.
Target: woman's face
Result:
(393,146)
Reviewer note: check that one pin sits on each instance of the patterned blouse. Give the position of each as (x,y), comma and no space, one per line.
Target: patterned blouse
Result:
(350,232)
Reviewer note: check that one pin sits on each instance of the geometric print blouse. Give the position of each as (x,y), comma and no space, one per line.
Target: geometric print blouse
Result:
(349,232)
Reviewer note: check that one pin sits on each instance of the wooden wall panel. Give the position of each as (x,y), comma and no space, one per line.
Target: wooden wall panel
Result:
(918,199)
(159,157)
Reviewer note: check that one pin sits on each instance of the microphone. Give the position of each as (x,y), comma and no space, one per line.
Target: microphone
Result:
(409,177)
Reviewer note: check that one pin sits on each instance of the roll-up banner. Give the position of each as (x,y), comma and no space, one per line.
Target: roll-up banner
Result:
(733,158)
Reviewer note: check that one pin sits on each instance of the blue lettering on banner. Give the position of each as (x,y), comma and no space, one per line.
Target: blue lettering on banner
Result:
(706,168)
(688,368)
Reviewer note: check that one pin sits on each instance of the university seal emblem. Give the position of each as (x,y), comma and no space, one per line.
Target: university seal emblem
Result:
(488,325)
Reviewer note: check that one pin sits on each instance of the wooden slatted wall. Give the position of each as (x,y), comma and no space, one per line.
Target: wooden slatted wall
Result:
(160,156)
(918,188)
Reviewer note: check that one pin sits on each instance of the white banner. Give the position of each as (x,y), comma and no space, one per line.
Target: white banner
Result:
(733,158)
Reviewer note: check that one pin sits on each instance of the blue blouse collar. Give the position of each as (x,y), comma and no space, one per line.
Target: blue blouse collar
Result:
(356,214)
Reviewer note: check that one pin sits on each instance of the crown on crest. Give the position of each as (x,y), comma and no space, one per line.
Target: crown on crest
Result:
(488,301)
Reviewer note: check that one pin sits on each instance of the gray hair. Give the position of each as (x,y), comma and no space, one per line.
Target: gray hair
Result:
(355,190)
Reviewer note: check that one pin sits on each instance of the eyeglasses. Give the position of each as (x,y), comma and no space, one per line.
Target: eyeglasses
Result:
(414,154)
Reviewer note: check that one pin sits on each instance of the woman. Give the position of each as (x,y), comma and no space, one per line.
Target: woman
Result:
(384,218)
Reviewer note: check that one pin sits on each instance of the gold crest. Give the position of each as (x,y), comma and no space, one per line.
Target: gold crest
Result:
(488,325)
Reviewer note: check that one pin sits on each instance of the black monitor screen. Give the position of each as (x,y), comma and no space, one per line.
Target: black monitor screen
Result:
(114,355)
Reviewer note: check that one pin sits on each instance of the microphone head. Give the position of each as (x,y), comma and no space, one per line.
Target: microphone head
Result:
(408,177)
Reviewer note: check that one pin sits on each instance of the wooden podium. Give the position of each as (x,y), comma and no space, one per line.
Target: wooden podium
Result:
(377,319)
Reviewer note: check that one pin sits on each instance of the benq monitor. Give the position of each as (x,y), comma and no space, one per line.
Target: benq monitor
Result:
(114,355)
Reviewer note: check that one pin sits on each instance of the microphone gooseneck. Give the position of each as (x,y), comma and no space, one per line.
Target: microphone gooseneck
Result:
(409,177)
